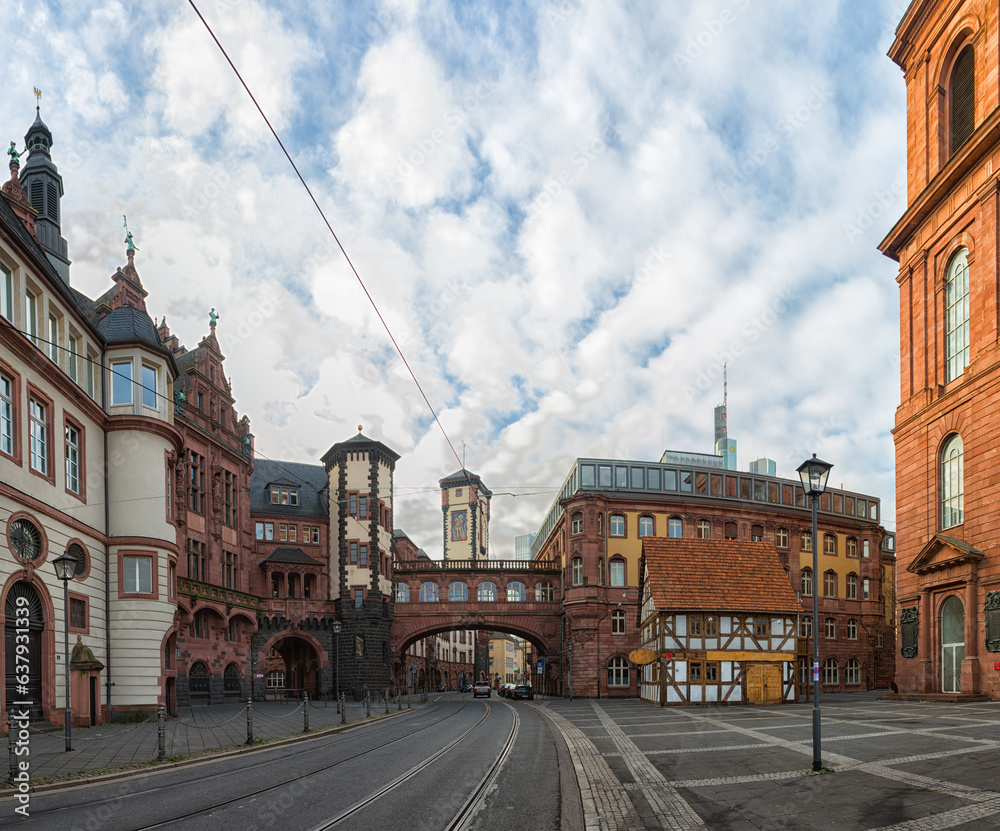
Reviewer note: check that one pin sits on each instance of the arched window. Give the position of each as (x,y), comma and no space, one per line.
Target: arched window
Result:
(853,671)
(428,592)
(830,584)
(577,571)
(458,592)
(516,592)
(487,592)
(576,523)
(618,622)
(830,544)
(616,572)
(402,592)
(852,586)
(704,529)
(962,98)
(830,671)
(807,582)
(618,672)
(616,525)
(645,526)
(852,629)
(231,678)
(675,527)
(198,678)
(956,316)
(952,488)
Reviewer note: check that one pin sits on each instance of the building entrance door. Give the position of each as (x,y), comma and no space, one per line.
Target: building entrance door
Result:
(22,597)
(764,683)
(952,645)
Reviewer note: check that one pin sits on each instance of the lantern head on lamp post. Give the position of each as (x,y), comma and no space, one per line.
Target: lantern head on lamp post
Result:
(65,566)
(814,473)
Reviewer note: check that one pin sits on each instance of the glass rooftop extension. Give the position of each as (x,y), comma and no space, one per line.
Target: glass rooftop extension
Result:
(693,483)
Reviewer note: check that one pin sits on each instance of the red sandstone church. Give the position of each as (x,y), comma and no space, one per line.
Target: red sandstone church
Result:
(948,584)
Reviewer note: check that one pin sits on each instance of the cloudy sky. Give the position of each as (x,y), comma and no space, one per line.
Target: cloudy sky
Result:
(571,214)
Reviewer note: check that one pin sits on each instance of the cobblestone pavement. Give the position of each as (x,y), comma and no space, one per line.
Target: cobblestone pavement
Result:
(195,730)
(893,766)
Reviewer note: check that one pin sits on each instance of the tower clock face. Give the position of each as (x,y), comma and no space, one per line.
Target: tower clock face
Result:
(25,540)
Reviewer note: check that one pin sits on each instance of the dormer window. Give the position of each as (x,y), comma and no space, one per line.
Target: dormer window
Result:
(283,495)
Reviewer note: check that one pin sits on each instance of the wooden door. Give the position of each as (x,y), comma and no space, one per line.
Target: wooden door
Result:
(764,683)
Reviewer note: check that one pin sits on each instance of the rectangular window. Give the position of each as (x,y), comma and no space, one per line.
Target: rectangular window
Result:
(196,561)
(72,459)
(363,507)
(282,532)
(831,628)
(149,386)
(74,356)
(228,497)
(6,294)
(865,589)
(53,338)
(353,556)
(760,627)
(229,570)
(695,672)
(359,598)
(352,504)
(806,543)
(268,531)
(645,526)
(91,375)
(711,627)
(694,625)
(616,572)
(362,555)
(260,530)
(121,383)
(38,413)
(137,575)
(77,613)
(196,482)
(7,413)
(616,525)
(31,316)
(711,672)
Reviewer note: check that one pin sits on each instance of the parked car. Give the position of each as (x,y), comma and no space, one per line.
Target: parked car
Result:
(523,691)
(481,688)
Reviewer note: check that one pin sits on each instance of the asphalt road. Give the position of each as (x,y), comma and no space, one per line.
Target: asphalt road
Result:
(305,785)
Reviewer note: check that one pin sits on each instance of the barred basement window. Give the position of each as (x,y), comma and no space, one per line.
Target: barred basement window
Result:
(77,613)
(231,678)
(198,678)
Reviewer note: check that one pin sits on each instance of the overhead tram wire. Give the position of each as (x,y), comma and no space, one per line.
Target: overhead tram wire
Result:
(333,233)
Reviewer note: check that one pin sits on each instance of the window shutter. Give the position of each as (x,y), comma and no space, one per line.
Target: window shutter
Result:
(963,98)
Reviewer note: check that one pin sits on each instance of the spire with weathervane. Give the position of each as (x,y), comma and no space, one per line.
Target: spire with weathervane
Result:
(129,287)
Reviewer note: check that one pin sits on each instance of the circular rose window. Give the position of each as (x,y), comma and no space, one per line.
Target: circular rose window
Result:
(25,540)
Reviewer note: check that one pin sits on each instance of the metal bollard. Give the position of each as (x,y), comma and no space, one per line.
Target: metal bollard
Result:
(409,701)
(343,708)
(368,705)
(387,701)
(11,759)
(250,720)
(399,701)
(305,712)
(161,733)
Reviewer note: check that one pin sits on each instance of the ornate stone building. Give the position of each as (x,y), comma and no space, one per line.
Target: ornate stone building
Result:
(946,246)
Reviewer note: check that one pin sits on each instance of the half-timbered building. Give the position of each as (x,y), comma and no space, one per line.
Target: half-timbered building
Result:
(721,618)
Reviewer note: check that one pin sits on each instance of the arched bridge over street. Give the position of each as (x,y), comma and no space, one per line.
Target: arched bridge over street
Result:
(521,597)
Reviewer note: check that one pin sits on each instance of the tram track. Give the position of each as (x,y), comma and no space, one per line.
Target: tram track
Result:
(321,744)
(471,804)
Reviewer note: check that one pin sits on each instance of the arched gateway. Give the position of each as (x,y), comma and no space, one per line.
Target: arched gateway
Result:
(515,596)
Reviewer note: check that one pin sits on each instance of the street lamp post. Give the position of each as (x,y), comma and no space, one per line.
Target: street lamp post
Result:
(65,566)
(337,625)
(571,672)
(813,473)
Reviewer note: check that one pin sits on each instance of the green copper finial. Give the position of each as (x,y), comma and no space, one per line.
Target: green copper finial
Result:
(128,237)
(15,157)
(212,316)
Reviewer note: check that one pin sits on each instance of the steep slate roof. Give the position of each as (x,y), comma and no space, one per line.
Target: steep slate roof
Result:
(310,480)
(721,575)
(128,325)
(290,555)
